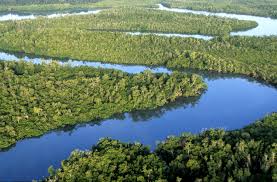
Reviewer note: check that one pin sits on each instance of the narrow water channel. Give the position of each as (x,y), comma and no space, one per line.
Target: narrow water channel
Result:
(266,26)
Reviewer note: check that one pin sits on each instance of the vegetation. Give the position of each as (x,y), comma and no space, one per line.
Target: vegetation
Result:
(37,98)
(27,2)
(70,5)
(214,155)
(253,7)
(144,20)
(252,56)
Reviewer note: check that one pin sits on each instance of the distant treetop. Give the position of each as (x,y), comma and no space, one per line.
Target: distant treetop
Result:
(23,2)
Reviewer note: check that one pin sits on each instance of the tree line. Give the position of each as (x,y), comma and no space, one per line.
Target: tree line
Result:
(30,2)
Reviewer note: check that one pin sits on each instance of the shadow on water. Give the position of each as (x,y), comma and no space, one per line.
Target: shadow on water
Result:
(232,101)
(7,55)
(214,75)
(135,116)
(139,115)
(146,115)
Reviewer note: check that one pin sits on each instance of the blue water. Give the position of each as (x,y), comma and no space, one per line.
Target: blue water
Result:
(229,103)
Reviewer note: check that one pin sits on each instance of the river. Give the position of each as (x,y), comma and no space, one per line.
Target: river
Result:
(230,102)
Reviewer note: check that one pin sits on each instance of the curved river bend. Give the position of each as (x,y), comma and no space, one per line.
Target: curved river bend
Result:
(230,103)
(266,26)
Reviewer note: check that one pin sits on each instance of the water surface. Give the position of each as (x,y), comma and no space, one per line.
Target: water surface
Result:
(16,17)
(197,36)
(229,103)
(266,26)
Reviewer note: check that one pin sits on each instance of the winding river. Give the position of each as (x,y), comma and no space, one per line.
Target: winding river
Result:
(266,26)
(230,102)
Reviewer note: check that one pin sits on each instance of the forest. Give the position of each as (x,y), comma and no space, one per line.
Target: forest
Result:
(252,7)
(28,2)
(37,98)
(248,154)
(126,19)
(251,56)
(70,5)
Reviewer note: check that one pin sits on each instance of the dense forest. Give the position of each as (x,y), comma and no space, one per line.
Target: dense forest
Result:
(37,98)
(72,6)
(144,20)
(253,7)
(252,56)
(248,154)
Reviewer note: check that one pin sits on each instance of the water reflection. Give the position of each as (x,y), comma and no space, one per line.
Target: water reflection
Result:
(147,115)
(231,102)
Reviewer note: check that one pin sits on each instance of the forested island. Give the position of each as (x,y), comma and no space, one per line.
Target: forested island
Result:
(252,56)
(37,98)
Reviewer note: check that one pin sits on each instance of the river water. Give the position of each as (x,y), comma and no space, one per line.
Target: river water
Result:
(230,102)
(266,26)
(15,17)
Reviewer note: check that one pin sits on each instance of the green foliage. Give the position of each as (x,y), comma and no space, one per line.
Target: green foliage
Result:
(252,56)
(141,19)
(28,2)
(209,156)
(68,5)
(253,7)
(111,160)
(37,98)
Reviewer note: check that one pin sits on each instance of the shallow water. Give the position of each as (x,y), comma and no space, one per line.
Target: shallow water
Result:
(15,17)
(204,37)
(266,26)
